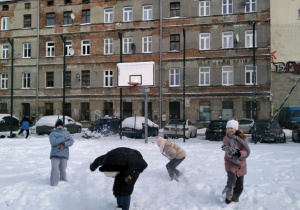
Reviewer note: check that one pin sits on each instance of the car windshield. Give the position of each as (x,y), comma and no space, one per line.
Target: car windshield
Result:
(264,125)
(295,113)
(104,121)
(174,122)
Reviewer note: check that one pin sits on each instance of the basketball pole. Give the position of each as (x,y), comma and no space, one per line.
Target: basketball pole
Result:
(146,113)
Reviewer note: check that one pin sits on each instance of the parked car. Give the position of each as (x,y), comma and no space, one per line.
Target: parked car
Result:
(5,120)
(134,127)
(265,131)
(106,125)
(45,125)
(289,117)
(216,130)
(174,129)
(245,125)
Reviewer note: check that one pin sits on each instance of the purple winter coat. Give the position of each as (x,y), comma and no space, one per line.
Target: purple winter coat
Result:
(238,169)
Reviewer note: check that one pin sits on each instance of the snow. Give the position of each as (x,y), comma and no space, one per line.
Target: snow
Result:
(272,181)
(50,120)
(137,122)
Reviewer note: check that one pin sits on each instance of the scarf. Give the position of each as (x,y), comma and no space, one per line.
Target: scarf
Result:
(233,144)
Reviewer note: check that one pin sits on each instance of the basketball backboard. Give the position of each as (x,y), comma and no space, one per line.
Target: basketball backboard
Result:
(137,72)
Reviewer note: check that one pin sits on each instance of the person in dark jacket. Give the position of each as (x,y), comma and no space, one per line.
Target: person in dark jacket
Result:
(60,140)
(125,165)
(25,126)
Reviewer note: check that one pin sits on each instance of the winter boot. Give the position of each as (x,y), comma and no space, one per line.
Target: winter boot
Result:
(228,200)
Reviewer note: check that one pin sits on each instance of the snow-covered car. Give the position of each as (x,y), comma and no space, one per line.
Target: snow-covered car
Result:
(45,125)
(134,127)
(5,120)
(174,129)
(245,125)
(106,124)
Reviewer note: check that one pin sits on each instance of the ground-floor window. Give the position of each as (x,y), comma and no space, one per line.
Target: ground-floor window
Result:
(227,110)
(3,108)
(108,108)
(174,109)
(204,111)
(248,107)
(85,111)
(127,109)
(48,109)
(26,109)
(149,110)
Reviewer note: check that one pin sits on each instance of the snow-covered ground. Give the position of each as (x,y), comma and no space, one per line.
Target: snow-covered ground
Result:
(272,182)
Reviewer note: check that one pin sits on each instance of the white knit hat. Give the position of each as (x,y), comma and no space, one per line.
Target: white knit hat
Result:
(232,124)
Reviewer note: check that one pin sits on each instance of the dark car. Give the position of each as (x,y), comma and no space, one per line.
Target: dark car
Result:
(106,125)
(216,130)
(267,131)
(5,120)
(45,125)
(134,127)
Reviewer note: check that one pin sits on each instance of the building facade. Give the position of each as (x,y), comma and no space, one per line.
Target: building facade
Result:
(202,50)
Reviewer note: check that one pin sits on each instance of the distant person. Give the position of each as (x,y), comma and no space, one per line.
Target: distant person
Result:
(235,145)
(25,123)
(60,140)
(125,165)
(174,153)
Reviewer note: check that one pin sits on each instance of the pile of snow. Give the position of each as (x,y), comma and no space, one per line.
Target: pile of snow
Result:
(272,181)
(137,122)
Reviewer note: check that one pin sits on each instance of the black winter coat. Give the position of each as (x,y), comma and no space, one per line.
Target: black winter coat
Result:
(125,160)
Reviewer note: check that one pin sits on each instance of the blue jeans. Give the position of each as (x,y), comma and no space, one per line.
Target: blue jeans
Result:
(123,202)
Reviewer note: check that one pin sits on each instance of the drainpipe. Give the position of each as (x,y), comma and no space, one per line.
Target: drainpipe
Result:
(37,63)
(160,57)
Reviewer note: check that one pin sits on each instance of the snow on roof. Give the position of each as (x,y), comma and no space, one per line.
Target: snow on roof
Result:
(5,115)
(50,120)
(137,122)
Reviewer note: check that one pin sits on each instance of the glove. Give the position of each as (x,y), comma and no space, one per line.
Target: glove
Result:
(225,148)
(237,154)
(60,146)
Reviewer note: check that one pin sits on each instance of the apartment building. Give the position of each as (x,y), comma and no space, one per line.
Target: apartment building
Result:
(203,49)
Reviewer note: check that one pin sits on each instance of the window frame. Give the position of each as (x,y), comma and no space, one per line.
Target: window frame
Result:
(127,42)
(147,12)
(108,46)
(27,20)
(204,41)
(68,46)
(147,44)
(27,50)
(67,18)
(249,4)
(50,50)
(50,19)
(174,42)
(229,75)
(174,77)
(127,14)
(68,79)
(108,15)
(175,11)
(108,76)
(204,8)
(4,51)
(226,7)
(86,16)
(251,74)
(85,47)
(227,38)
(203,74)
(4,81)
(25,80)
(249,38)
(85,78)
(49,79)
(4,23)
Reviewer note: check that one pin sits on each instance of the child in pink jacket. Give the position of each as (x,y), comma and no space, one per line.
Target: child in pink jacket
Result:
(235,145)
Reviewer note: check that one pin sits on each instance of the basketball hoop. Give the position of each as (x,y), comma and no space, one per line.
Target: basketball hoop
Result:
(134,84)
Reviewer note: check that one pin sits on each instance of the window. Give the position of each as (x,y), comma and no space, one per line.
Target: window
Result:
(174,77)
(227,40)
(26,50)
(204,111)
(50,3)
(48,109)
(108,46)
(108,15)
(85,111)
(67,18)
(68,1)
(68,79)
(205,41)
(108,108)
(204,76)
(85,75)
(175,9)
(3,108)
(5,7)
(86,16)
(175,42)
(250,75)
(108,78)
(85,47)
(149,114)
(147,12)
(127,45)
(50,49)
(227,75)
(249,39)
(49,79)
(68,48)
(27,5)
(4,81)
(250,6)
(26,80)
(147,44)
(85,1)
(50,19)
(4,51)
(127,14)
(227,7)
(204,8)
(4,23)
(27,21)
